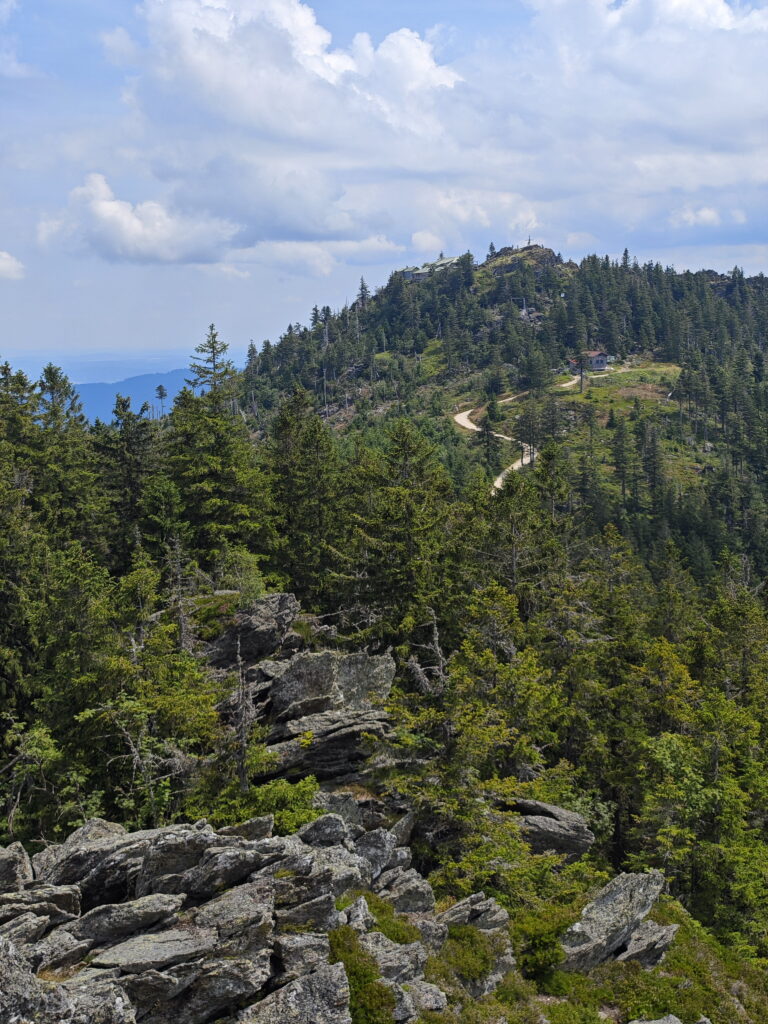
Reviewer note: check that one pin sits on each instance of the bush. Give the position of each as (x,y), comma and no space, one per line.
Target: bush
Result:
(388,921)
(370,1002)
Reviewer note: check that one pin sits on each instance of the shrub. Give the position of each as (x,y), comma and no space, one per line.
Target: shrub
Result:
(370,1002)
(388,921)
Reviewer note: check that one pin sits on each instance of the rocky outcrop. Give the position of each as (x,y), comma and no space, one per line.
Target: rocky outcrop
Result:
(189,925)
(216,924)
(318,708)
(258,632)
(548,828)
(612,926)
(24,998)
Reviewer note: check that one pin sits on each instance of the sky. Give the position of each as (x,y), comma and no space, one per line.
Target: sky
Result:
(171,163)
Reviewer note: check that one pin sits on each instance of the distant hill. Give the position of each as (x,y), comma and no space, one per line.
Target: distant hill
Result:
(99,399)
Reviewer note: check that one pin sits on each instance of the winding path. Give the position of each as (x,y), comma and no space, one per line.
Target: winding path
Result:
(464,420)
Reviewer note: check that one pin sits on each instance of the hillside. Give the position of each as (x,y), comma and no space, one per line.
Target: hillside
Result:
(590,636)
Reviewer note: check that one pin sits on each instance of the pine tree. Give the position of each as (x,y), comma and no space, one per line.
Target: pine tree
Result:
(212,371)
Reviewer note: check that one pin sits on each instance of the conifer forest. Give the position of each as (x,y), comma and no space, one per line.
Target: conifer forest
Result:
(567,567)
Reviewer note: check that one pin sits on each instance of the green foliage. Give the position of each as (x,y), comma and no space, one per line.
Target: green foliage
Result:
(370,1001)
(218,792)
(469,953)
(395,926)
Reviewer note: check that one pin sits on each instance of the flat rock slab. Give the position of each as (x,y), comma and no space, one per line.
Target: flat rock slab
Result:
(116,920)
(161,949)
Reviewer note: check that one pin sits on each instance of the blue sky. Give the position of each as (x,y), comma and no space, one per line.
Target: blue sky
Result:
(175,162)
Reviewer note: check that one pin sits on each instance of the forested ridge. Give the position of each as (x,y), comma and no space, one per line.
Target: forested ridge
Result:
(594,635)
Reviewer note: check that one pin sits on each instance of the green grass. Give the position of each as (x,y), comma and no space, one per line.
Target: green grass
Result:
(432,358)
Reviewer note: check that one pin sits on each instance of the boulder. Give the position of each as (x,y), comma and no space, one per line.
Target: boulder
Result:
(112,876)
(23,998)
(58,951)
(15,868)
(433,931)
(404,1011)
(95,833)
(219,986)
(328,830)
(359,917)
(478,910)
(221,867)
(403,828)
(21,995)
(328,746)
(254,828)
(300,877)
(158,949)
(64,898)
(319,914)
(318,998)
(607,923)
(342,803)
(547,827)
(406,890)
(310,683)
(649,943)
(427,998)
(42,908)
(243,918)
(113,921)
(152,987)
(319,707)
(301,954)
(399,963)
(174,851)
(256,632)
(24,928)
(101,1001)
(378,848)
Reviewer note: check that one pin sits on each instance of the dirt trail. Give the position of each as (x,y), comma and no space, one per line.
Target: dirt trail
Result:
(464,420)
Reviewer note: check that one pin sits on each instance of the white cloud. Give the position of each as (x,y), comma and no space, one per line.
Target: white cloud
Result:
(604,124)
(145,232)
(318,258)
(426,241)
(11,269)
(269,64)
(689,216)
(119,46)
